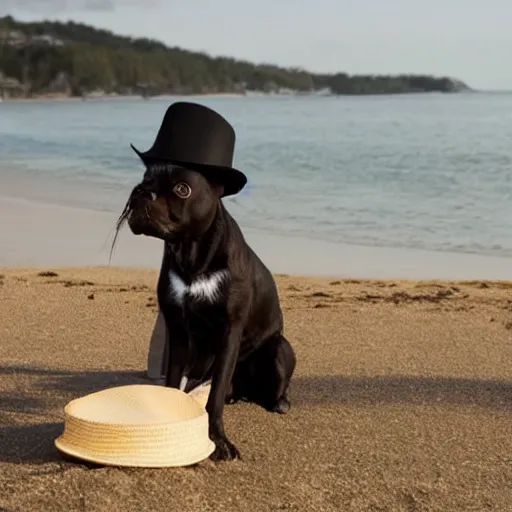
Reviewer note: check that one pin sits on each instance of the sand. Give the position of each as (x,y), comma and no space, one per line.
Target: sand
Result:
(402,398)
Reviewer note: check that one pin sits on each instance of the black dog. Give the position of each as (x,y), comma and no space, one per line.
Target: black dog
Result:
(219,301)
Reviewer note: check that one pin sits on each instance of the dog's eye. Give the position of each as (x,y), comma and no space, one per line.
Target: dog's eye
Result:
(182,190)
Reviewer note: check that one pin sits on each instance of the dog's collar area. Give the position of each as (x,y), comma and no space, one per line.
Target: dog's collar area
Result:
(206,287)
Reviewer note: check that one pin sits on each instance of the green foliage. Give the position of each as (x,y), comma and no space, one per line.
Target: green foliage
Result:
(97,59)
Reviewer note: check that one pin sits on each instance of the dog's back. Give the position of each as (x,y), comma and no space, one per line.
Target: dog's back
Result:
(265,316)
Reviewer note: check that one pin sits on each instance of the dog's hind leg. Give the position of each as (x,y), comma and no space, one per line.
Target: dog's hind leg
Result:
(264,377)
(282,366)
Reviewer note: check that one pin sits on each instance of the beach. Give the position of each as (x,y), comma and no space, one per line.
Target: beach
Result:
(401,400)
(385,223)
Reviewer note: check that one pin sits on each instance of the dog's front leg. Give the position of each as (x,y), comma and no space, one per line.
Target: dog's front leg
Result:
(223,369)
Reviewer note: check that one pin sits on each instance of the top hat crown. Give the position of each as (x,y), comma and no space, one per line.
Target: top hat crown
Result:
(197,137)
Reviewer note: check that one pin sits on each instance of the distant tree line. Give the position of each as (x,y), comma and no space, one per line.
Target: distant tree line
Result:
(88,59)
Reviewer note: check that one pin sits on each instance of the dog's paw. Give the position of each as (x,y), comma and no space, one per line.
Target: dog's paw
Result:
(282,406)
(224,450)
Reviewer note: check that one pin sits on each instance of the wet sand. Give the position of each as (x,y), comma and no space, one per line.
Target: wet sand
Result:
(36,233)
(402,398)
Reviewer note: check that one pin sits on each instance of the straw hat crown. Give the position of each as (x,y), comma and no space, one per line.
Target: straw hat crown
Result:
(137,425)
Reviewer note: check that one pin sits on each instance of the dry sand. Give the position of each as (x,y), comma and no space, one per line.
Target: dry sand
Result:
(402,399)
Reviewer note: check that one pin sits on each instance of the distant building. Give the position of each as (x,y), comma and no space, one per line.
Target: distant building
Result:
(286,91)
(16,38)
(12,37)
(61,84)
(46,40)
(10,87)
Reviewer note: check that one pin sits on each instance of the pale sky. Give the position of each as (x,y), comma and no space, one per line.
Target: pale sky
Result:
(466,39)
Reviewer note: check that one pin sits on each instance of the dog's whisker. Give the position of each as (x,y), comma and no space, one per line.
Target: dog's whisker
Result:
(118,226)
(146,212)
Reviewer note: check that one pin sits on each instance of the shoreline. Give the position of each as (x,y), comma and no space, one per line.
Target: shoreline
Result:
(62,236)
(115,97)
(223,95)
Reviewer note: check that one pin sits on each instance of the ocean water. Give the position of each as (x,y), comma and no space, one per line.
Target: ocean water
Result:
(419,171)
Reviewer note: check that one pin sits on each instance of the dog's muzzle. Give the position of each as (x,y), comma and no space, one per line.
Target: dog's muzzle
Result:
(140,197)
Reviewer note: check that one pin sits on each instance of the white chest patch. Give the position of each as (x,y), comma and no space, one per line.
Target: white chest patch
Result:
(205,288)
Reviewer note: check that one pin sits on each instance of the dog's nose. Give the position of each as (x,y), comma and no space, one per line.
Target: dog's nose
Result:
(141,194)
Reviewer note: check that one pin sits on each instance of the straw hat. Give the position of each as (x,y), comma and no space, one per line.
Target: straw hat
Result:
(138,425)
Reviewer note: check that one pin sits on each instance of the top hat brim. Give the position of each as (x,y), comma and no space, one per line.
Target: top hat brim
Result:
(230,178)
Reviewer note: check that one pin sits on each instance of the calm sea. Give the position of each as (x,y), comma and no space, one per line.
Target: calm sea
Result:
(422,171)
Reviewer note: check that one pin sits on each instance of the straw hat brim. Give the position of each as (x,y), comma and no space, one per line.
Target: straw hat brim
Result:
(138,426)
(133,461)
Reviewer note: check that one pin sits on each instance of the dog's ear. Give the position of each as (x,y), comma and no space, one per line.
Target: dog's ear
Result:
(217,188)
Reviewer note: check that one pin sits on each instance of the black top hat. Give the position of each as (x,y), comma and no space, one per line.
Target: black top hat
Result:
(198,138)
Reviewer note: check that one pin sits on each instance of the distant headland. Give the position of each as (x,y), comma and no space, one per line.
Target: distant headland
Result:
(52,59)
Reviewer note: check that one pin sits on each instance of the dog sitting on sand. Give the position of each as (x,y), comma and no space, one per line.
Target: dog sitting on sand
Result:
(219,301)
